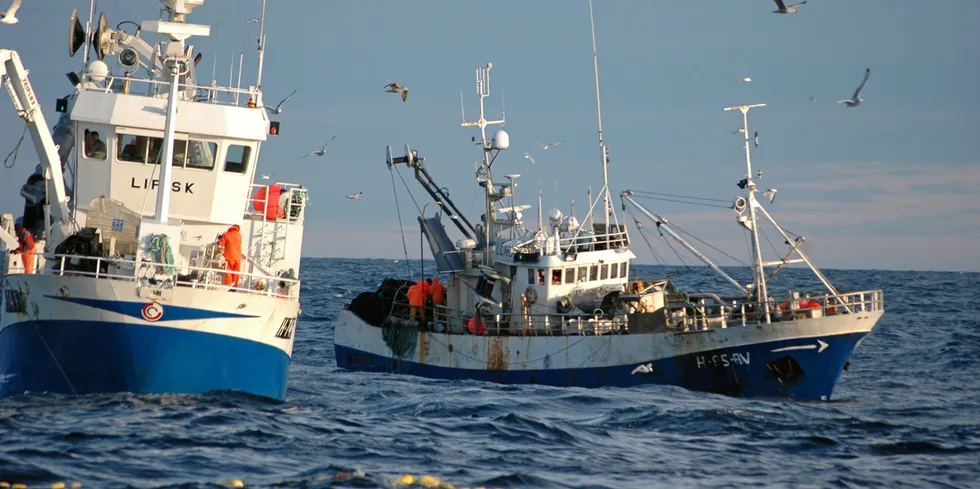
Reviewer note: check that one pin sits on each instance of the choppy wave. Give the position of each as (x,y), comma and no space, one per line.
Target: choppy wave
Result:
(906,414)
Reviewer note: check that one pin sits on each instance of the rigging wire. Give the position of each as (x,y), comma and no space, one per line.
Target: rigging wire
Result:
(646,194)
(667,241)
(708,244)
(643,234)
(400,228)
(12,156)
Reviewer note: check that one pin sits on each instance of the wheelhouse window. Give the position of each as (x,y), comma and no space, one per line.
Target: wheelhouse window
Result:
(187,153)
(604,269)
(93,145)
(613,270)
(594,273)
(236,159)
(622,270)
(530,276)
(570,276)
(582,271)
(556,277)
(132,148)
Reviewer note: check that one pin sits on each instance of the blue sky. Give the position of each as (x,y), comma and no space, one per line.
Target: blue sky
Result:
(892,184)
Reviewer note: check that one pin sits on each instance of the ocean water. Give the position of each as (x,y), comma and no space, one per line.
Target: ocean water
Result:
(906,414)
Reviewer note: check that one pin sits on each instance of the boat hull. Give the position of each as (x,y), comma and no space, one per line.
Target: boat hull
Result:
(796,359)
(83,336)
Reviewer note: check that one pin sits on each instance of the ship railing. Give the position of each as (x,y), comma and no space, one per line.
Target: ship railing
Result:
(456,321)
(704,314)
(288,205)
(154,274)
(212,94)
(593,242)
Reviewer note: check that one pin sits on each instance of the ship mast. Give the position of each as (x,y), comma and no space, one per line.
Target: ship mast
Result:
(604,152)
(483,90)
(748,184)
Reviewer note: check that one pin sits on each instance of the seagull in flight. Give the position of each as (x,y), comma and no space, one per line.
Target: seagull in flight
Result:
(354,196)
(278,109)
(856,98)
(746,79)
(266,176)
(394,87)
(319,152)
(741,129)
(528,156)
(771,193)
(549,145)
(8,17)
(253,20)
(786,9)
(643,369)
(813,99)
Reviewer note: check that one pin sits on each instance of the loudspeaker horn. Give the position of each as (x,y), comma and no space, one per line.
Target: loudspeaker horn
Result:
(76,33)
(101,39)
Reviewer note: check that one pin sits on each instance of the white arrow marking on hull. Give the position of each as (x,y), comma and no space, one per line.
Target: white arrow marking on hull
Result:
(820,346)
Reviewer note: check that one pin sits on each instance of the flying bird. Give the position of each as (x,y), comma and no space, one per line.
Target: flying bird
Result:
(856,99)
(354,196)
(319,152)
(771,193)
(756,136)
(741,129)
(746,79)
(549,145)
(253,20)
(782,8)
(394,87)
(278,109)
(643,369)
(813,99)
(9,17)
(266,176)
(528,156)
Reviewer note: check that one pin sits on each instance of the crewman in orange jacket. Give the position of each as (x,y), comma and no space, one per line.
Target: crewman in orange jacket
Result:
(438,292)
(232,243)
(26,246)
(416,299)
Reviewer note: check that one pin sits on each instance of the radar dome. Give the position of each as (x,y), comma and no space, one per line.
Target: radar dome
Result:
(555,216)
(98,71)
(501,140)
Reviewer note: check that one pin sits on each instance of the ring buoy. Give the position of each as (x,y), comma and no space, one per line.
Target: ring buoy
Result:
(531,295)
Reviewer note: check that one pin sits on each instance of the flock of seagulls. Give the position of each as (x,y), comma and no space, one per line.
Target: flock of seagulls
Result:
(10,16)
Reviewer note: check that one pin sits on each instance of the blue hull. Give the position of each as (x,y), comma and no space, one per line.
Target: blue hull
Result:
(798,371)
(87,357)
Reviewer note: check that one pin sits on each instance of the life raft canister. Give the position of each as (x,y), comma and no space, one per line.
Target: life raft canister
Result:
(267,199)
(474,326)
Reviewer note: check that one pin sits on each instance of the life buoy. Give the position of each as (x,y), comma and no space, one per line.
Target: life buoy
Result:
(475,326)
(531,295)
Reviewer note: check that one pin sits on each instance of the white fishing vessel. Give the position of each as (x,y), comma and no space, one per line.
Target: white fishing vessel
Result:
(557,305)
(129,289)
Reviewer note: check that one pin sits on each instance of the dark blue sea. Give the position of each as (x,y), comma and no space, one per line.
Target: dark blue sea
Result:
(906,414)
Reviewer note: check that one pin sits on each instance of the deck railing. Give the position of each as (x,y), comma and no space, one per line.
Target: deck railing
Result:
(211,94)
(154,275)
(691,316)
(702,314)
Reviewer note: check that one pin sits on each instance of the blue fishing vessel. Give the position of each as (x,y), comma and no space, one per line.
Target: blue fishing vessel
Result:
(558,305)
(116,277)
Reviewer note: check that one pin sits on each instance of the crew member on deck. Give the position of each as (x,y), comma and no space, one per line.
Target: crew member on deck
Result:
(232,243)
(416,299)
(26,247)
(438,292)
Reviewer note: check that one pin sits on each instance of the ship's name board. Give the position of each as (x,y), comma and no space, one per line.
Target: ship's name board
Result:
(146,183)
(724,360)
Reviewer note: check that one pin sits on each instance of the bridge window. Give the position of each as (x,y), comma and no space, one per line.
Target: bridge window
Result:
(236,160)
(540,276)
(582,271)
(622,270)
(570,276)
(201,154)
(594,273)
(132,148)
(94,145)
(604,270)
(613,270)
(530,276)
(556,277)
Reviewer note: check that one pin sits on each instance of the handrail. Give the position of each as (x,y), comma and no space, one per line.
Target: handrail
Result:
(213,90)
(516,324)
(210,278)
